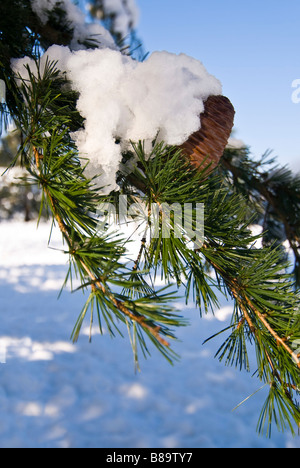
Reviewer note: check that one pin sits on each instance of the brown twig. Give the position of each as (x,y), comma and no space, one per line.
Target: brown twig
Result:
(37,157)
(141,320)
(137,262)
(280,341)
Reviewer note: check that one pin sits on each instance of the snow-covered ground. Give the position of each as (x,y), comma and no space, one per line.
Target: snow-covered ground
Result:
(54,394)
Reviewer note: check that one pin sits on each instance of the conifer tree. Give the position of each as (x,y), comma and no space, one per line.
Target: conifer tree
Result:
(40,42)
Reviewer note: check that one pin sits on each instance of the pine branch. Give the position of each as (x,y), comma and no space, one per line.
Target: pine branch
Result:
(266,310)
(154,330)
(51,159)
(266,307)
(266,303)
(278,187)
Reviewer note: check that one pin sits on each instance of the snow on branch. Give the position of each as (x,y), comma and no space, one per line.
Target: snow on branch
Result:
(123,100)
(76,21)
(124,14)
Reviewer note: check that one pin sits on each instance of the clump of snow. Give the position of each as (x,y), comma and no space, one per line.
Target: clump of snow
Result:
(76,19)
(123,100)
(124,13)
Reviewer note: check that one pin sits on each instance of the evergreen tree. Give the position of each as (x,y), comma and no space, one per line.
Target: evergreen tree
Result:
(44,105)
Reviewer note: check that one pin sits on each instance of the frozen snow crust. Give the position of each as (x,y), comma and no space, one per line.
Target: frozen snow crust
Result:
(123,100)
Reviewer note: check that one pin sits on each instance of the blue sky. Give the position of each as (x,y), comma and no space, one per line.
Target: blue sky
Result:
(253,48)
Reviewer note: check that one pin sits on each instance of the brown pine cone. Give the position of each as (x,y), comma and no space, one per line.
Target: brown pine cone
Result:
(206,146)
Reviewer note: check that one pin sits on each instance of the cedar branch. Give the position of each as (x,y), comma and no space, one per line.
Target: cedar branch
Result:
(141,320)
(236,291)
